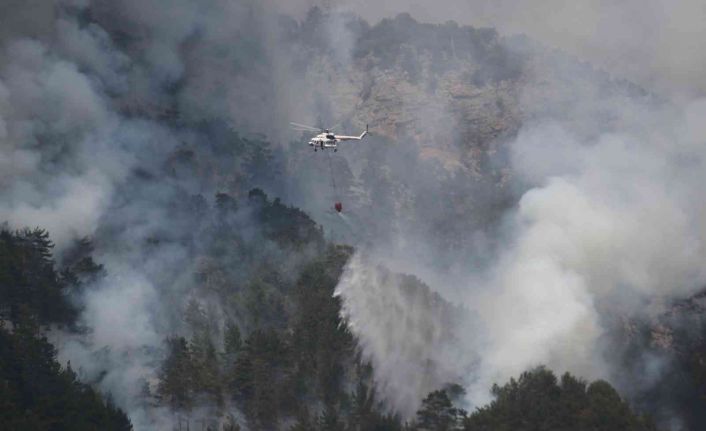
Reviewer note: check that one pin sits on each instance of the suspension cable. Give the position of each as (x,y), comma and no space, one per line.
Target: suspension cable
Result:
(333,177)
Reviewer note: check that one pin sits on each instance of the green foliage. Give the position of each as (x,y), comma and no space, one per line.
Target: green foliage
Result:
(290,361)
(537,401)
(37,394)
(190,370)
(232,339)
(303,361)
(176,377)
(29,280)
(320,340)
(79,263)
(226,204)
(296,371)
(257,375)
(438,413)
(330,420)
(288,226)
(206,368)
(289,352)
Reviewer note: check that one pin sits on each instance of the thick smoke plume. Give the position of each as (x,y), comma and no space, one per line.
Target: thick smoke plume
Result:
(87,95)
(608,225)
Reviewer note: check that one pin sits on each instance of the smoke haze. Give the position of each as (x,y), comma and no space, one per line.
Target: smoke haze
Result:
(655,43)
(536,198)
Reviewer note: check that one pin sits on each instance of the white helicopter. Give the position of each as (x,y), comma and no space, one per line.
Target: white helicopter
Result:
(326,138)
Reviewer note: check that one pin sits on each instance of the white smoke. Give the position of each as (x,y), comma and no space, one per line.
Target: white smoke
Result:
(609,224)
(51,116)
(617,226)
(405,331)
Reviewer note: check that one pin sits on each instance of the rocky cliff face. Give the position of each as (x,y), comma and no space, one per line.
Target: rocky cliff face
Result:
(668,348)
(427,85)
(455,92)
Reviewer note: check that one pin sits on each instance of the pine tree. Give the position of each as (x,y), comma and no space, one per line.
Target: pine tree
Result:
(438,413)
(330,420)
(232,339)
(176,375)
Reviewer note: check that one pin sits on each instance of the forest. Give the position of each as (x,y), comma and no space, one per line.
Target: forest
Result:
(36,392)
(294,365)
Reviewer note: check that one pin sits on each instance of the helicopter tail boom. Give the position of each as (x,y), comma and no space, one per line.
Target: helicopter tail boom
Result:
(353,138)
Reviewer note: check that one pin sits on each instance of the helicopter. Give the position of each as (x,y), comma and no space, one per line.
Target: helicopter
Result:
(326,138)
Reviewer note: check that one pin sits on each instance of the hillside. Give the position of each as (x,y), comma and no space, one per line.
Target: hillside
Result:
(284,360)
(513,207)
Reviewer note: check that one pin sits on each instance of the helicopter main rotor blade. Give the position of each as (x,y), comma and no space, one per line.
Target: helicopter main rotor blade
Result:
(305,127)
